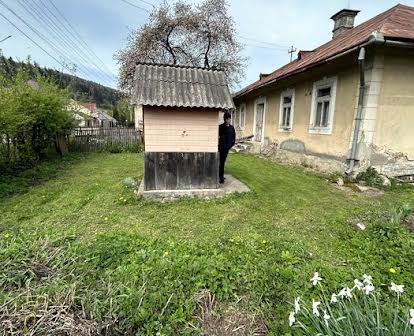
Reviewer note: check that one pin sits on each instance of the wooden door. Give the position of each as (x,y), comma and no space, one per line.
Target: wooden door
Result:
(259,122)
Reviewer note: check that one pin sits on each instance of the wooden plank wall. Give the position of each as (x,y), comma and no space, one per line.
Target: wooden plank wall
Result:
(175,171)
(180,129)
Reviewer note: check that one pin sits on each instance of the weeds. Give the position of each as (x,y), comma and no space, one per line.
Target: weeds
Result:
(116,265)
(399,214)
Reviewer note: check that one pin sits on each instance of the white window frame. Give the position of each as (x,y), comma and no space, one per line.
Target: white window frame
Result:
(283,94)
(323,84)
(242,121)
(260,100)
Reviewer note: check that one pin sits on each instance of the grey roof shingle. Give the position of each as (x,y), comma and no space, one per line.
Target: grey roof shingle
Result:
(182,86)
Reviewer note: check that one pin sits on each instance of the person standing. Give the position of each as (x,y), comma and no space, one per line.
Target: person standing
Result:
(227,139)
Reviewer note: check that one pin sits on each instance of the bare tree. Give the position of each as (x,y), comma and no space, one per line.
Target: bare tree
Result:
(202,35)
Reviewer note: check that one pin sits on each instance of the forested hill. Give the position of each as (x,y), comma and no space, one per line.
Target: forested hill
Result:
(81,89)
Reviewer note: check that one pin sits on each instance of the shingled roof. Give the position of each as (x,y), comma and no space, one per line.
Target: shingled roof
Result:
(180,86)
(395,23)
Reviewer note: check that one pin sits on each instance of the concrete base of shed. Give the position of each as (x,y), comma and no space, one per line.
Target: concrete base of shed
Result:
(231,185)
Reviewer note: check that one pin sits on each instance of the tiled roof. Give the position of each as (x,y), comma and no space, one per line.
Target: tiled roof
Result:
(395,23)
(182,86)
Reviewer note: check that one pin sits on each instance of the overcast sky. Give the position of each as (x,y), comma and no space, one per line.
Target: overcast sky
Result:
(267,28)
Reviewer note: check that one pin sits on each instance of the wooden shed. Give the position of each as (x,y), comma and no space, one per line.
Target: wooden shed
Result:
(180,106)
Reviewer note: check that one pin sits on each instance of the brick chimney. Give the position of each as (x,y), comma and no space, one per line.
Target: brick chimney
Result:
(343,21)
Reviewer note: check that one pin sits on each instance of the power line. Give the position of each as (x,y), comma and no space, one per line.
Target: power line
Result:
(32,10)
(72,40)
(44,39)
(263,42)
(264,47)
(34,42)
(79,37)
(136,6)
(147,2)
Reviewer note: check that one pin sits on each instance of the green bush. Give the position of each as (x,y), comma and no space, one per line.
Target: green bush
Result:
(119,148)
(32,114)
(371,177)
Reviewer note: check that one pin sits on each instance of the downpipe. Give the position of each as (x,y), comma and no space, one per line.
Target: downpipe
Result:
(358,117)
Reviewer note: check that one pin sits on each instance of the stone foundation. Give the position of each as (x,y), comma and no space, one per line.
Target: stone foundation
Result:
(230,186)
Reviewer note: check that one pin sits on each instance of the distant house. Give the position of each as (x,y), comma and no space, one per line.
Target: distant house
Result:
(88,115)
(180,106)
(351,99)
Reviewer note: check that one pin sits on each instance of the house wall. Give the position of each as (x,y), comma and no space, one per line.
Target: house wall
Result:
(168,129)
(394,129)
(299,139)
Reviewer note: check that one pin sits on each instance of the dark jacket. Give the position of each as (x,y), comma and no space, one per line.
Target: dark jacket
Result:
(227,137)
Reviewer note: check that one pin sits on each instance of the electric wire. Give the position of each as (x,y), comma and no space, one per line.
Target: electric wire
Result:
(54,20)
(43,39)
(55,48)
(79,37)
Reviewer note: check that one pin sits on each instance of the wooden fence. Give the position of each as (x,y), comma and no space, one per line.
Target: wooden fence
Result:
(93,139)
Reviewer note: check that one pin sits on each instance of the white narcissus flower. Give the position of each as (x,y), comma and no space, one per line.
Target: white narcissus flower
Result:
(292,318)
(297,304)
(315,305)
(358,284)
(412,317)
(316,279)
(345,292)
(367,279)
(334,298)
(326,317)
(397,288)
(368,288)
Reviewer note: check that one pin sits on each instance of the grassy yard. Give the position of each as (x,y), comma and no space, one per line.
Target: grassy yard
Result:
(78,251)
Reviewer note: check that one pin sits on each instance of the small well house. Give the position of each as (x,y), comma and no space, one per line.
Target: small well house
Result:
(179,107)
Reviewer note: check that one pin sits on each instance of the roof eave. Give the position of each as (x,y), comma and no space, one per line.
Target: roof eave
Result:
(375,37)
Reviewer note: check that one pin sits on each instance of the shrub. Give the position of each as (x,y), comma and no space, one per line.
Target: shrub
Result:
(32,115)
(123,148)
(360,310)
(371,177)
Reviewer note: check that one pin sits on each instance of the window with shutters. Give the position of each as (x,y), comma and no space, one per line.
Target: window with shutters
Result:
(287,99)
(323,106)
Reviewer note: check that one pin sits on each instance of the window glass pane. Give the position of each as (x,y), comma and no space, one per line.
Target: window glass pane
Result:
(241,121)
(288,116)
(325,116)
(287,100)
(318,114)
(324,92)
(284,116)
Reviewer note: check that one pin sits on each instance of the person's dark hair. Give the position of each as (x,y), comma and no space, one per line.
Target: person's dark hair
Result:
(226,115)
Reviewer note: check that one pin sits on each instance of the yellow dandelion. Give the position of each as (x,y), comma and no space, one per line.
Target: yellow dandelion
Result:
(264,241)
(106,218)
(392,270)
(166,254)
(125,200)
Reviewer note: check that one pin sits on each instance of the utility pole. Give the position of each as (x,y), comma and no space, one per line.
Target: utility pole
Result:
(291,51)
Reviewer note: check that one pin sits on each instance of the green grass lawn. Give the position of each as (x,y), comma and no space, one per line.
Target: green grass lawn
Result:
(73,234)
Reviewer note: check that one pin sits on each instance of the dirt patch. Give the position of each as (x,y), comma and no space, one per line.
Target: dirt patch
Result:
(409,222)
(216,319)
(350,187)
